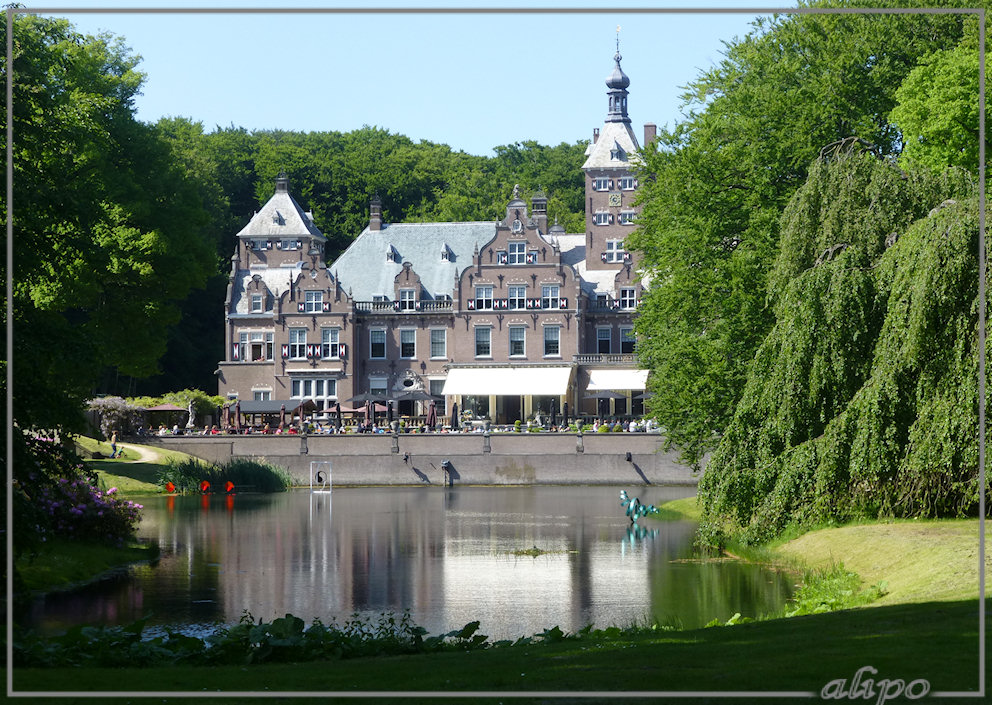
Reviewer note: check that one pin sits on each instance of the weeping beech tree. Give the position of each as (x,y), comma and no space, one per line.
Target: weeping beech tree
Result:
(862,399)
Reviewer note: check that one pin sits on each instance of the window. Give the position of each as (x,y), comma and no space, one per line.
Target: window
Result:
(377,344)
(627,340)
(329,343)
(437,390)
(322,390)
(627,183)
(377,386)
(313,302)
(408,343)
(439,348)
(517,253)
(603,339)
(483,298)
(549,296)
(601,184)
(628,298)
(259,245)
(518,335)
(614,251)
(617,154)
(257,303)
(602,300)
(289,244)
(627,217)
(256,346)
(261,394)
(601,218)
(552,335)
(298,343)
(517,297)
(483,341)
(407,302)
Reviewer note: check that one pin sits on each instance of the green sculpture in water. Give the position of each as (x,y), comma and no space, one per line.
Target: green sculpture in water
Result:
(636,510)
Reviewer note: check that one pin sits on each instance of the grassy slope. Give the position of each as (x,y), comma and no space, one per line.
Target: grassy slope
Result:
(61,564)
(127,474)
(919,560)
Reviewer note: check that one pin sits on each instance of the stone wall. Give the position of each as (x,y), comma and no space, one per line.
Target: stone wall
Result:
(473,459)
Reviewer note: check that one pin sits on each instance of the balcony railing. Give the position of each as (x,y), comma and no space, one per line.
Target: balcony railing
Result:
(601,358)
(392,307)
(609,307)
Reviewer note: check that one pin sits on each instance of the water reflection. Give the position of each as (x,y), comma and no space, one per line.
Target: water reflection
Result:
(445,554)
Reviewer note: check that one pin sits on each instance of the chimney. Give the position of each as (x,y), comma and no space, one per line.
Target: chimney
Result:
(650,133)
(375,213)
(595,135)
(539,205)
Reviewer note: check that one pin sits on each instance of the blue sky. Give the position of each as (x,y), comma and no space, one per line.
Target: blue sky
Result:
(472,81)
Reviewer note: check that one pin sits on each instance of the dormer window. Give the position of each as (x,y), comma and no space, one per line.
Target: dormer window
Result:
(445,253)
(391,254)
(617,153)
(278,219)
(257,303)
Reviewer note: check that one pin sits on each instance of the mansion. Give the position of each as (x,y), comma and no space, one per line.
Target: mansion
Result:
(507,319)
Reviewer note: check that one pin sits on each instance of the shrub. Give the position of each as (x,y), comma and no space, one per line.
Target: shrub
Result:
(55,495)
(245,473)
(516,426)
(116,414)
(605,428)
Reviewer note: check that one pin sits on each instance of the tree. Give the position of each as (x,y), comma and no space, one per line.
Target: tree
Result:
(714,186)
(937,108)
(110,233)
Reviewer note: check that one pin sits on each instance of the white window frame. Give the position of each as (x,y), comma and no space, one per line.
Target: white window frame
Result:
(518,302)
(550,295)
(522,330)
(554,339)
(488,341)
(627,217)
(614,251)
(408,299)
(484,297)
(297,343)
(601,183)
(412,334)
(257,303)
(628,297)
(372,343)
(313,301)
(626,183)
(287,244)
(516,253)
(443,342)
(330,348)
(321,389)
(261,395)
(601,218)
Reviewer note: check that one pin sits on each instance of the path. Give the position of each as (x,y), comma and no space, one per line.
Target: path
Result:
(145,454)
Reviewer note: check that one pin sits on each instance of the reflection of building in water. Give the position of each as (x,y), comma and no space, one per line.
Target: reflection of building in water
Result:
(443,554)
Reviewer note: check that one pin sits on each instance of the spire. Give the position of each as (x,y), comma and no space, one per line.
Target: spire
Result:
(617,83)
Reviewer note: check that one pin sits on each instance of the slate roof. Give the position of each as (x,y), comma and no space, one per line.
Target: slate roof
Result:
(613,133)
(277,279)
(281,216)
(364,270)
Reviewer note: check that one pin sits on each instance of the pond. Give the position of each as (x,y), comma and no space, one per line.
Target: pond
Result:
(448,555)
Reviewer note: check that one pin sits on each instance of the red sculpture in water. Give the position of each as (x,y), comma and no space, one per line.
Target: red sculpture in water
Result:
(204,486)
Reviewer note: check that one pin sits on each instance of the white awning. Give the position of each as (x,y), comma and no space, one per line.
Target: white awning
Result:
(509,381)
(617,379)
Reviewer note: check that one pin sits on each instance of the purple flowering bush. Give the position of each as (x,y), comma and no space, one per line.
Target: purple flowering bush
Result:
(56,497)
